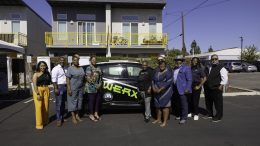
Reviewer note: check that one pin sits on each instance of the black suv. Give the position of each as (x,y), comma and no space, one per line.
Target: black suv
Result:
(120,81)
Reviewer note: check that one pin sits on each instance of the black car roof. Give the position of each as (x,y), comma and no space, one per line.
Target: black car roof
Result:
(115,63)
(119,62)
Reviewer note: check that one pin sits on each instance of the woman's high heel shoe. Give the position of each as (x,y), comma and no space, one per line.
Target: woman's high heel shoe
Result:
(97,118)
(78,118)
(92,118)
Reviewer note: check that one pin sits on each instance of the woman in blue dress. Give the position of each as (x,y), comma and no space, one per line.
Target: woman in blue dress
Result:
(162,90)
(75,88)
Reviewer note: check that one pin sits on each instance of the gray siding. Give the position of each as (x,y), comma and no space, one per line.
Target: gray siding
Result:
(72,16)
(5,12)
(36,29)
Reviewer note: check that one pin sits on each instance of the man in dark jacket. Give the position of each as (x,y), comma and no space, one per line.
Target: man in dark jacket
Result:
(217,77)
(144,82)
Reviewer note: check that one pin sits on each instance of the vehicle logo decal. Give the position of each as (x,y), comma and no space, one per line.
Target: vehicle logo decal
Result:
(114,81)
(116,87)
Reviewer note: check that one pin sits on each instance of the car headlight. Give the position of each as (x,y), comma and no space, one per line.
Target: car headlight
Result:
(108,96)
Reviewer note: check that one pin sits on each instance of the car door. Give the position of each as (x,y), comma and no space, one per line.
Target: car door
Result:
(120,82)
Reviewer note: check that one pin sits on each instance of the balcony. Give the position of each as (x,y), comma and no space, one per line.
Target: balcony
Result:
(139,40)
(19,39)
(75,39)
(100,40)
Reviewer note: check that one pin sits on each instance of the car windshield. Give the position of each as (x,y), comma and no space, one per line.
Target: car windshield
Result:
(248,64)
(120,70)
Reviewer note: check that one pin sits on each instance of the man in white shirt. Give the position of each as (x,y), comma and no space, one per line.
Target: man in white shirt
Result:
(59,83)
(217,77)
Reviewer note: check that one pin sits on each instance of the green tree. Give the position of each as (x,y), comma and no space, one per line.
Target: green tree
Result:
(250,54)
(196,50)
(174,52)
(210,49)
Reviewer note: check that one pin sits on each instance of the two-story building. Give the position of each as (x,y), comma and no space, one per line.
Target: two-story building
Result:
(22,26)
(130,28)
(22,33)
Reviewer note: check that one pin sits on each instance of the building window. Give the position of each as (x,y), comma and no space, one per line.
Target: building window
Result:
(152,18)
(126,31)
(62,16)
(15,26)
(130,33)
(152,31)
(15,16)
(86,17)
(62,30)
(152,28)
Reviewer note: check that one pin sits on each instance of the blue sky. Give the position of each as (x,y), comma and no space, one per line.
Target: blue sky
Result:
(218,23)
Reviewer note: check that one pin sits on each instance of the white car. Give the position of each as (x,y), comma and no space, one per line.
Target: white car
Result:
(247,67)
(233,66)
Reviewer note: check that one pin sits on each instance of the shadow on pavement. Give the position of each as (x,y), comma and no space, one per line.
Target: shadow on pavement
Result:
(13,97)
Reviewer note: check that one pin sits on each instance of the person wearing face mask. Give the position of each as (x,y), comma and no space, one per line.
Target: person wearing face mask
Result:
(182,81)
(217,77)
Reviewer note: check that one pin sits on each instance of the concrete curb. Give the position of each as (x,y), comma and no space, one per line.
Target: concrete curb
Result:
(248,93)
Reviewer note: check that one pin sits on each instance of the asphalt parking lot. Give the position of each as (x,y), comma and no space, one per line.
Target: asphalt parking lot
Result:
(245,80)
(240,126)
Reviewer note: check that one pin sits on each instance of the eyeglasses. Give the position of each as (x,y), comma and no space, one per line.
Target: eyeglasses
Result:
(214,59)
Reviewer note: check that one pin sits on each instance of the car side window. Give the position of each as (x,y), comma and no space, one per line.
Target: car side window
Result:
(133,71)
(116,71)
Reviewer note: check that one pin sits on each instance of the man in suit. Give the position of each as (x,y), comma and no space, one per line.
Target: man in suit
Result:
(182,87)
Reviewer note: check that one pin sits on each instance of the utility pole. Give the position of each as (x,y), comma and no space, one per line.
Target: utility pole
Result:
(183,43)
(241,40)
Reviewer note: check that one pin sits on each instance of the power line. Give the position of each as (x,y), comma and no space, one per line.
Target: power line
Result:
(213,4)
(171,39)
(187,13)
(195,8)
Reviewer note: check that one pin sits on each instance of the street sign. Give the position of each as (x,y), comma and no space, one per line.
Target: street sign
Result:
(69,59)
(29,59)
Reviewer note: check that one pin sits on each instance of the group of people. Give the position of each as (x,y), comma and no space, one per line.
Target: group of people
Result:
(69,85)
(177,90)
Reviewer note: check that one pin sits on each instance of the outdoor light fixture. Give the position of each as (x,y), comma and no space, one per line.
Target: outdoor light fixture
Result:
(193,46)
(5,21)
(143,24)
(71,22)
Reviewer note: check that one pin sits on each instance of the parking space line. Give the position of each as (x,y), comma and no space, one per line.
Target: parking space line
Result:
(32,99)
(28,101)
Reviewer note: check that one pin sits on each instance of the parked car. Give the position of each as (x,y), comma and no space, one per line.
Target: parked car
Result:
(233,66)
(120,84)
(247,67)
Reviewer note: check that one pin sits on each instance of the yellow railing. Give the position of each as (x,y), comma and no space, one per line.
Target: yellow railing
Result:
(139,39)
(14,38)
(102,39)
(75,39)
